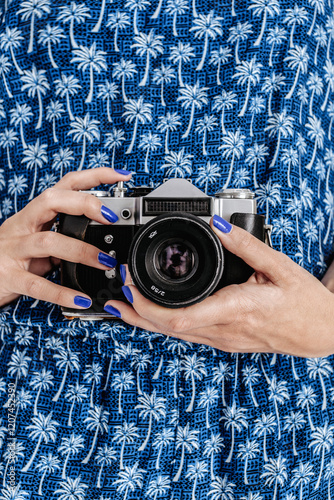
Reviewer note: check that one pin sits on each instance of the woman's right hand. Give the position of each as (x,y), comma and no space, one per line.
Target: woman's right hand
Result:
(29,250)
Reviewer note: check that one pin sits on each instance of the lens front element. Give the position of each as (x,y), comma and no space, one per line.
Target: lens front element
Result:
(175,259)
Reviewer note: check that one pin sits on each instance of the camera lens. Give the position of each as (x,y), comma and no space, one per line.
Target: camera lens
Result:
(176,260)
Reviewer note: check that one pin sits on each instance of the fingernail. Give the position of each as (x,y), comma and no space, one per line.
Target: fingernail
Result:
(82,301)
(122,172)
(222,224)
(122,270)
(108,214)
(106,260)
(128,294)
(112,310)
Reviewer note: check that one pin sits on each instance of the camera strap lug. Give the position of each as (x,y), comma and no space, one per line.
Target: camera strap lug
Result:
(268,230)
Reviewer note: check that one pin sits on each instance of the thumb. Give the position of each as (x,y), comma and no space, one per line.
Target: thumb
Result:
(262,258)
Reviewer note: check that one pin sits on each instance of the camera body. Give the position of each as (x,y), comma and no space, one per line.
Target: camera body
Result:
(174,257)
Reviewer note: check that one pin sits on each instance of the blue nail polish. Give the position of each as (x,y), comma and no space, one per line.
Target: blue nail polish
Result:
(106,260)
(122,270)
(113,311)
(82,301)
(122,172)
(128,294)
(108,214)
(222,224)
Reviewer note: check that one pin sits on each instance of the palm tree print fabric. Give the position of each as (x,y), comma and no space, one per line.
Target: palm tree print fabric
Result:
(229,94)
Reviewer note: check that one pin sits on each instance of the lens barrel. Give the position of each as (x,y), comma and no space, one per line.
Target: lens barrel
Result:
(176,260)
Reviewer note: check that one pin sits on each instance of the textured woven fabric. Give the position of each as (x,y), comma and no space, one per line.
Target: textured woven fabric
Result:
(227,93)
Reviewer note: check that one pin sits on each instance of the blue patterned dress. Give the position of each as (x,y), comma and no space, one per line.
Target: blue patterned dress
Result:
(229,93)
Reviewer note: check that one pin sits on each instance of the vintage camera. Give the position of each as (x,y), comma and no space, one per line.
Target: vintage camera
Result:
(174,257)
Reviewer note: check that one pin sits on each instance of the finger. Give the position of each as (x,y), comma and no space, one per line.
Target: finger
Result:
(47,243)
(87,179)
(53,201)
(25,283)
(218,308)
(128,314)
(220,335)
(131,317)
(275,265)
(125,275)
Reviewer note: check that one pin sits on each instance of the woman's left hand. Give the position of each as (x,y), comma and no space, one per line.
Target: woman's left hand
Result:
(281,309)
